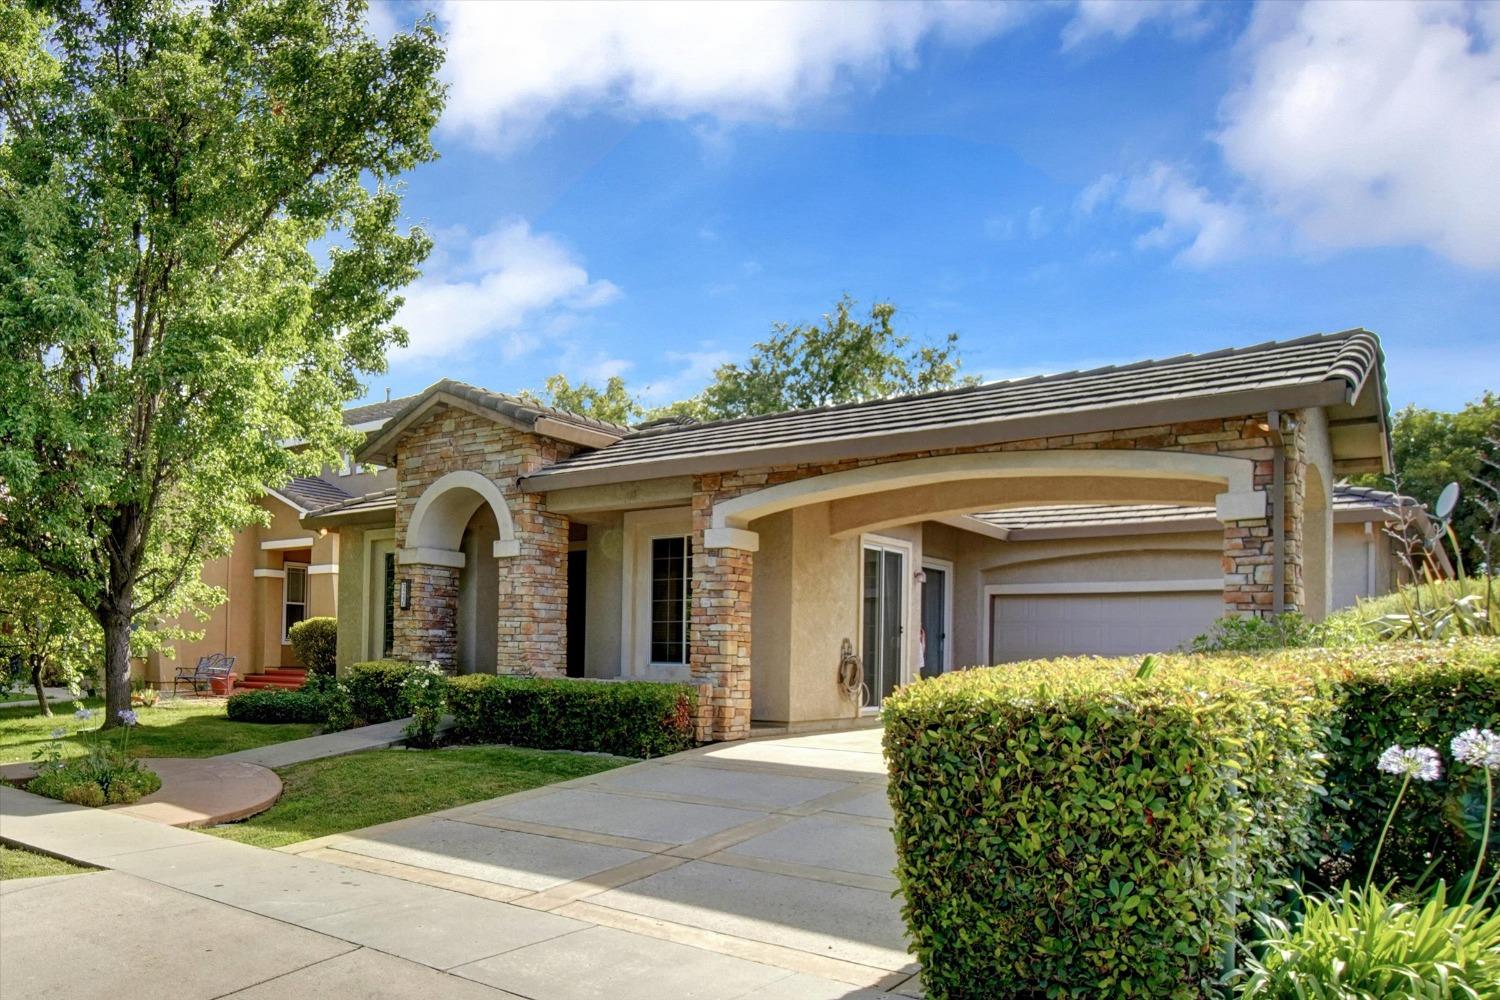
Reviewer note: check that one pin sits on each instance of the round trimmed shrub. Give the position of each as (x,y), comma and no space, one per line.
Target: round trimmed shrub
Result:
(315,641)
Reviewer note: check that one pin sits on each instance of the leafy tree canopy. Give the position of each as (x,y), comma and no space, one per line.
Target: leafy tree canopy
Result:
(1431,449)
(198,258)
(842,360)
(613,404)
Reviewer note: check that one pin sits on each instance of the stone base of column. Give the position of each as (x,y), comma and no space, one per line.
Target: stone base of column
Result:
(427,631)
(721,638)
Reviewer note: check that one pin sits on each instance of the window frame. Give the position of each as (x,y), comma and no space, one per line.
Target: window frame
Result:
(685,562)
(287,569)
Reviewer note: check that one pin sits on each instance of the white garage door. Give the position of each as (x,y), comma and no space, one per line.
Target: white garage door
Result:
(1029,626)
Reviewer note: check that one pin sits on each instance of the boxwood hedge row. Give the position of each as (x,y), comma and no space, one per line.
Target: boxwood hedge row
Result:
(629,718)
(1073,828)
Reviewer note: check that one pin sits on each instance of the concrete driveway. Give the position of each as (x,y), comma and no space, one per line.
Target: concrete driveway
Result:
(776,852)
(750,871)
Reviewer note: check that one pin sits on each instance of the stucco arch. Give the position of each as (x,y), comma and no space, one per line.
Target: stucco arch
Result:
(1239,500)
(435,532)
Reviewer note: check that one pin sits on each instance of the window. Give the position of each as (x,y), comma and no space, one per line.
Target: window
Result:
(671,572)
(294,603)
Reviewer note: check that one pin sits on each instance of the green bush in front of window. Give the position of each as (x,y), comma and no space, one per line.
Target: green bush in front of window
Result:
(626,718)
(315,641)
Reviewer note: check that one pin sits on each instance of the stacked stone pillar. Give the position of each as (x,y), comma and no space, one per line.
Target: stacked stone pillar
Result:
(1249,559)
(720,626)
(531,618)
(424,631)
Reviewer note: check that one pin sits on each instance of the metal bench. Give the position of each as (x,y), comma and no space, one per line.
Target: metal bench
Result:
(210,668)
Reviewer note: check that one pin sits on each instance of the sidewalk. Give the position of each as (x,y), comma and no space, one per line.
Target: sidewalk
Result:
(376,737)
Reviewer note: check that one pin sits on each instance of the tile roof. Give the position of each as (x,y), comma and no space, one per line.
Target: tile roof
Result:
(371,412)
(1322,369)
(310,492)
(354,508)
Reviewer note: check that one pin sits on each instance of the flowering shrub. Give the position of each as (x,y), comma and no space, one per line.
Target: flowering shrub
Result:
(377,690)
(426,692)
(104,775)
(1357,944)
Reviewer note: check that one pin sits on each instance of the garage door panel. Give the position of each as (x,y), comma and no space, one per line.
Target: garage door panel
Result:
(1041,625)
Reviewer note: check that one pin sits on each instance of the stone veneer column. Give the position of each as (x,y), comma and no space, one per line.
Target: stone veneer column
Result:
(427,630)
(1249,560)
(720,625)
(532,597)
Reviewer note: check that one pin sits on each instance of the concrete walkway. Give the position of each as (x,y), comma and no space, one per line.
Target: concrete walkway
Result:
(757,870)
(376,737)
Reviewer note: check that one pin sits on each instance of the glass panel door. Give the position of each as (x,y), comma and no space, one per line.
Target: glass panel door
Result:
(884,572)
(934,622)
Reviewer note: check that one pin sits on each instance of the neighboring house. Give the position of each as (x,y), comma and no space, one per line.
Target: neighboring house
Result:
(278,574)
(1115,510)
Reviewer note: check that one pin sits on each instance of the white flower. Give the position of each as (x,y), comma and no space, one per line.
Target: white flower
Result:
(1422,763)
(1479,748)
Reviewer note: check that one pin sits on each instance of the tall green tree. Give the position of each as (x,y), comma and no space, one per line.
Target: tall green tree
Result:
(1431,448)
(613,403)
(198,258)
(843,359)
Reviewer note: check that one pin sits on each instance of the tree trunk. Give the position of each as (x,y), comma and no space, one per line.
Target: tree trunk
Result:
(41,692)
(116,666)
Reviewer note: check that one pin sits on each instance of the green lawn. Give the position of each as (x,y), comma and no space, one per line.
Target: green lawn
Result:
(18,863)
(176,728)
(329,796)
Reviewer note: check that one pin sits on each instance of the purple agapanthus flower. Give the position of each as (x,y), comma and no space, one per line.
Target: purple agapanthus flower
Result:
(1478,748)
(1422,763)
(83,715)
(127,717)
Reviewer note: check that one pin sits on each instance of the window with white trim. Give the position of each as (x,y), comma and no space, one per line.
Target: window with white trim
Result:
(294,598)
(671,579)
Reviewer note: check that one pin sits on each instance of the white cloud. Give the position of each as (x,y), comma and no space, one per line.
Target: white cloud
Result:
(1374,124)
(1116,20)
(1205,229)
(508,287)
(1201,228)
(512,65)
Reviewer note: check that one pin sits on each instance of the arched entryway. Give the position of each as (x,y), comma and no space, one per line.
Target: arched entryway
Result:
(459,529)
(478,582)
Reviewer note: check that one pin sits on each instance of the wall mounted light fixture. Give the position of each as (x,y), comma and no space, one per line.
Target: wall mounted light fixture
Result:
(405,599)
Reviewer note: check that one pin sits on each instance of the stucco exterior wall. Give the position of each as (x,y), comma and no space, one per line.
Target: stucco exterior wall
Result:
(247,624)
(602,655)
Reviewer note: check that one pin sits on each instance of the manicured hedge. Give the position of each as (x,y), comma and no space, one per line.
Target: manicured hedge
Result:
(1069,828)
(1072,829)
(277,706)
(629,718)
(316,643)
(376,690)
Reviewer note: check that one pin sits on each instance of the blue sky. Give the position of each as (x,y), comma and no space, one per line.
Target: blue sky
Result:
(643,191)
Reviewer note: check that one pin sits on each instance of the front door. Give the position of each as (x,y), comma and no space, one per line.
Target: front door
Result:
(934,621)
(884,613)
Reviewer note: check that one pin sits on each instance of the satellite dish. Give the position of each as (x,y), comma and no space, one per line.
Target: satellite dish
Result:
(1446,501)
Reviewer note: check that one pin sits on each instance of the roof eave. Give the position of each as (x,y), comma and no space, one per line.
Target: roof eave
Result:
(1245,402)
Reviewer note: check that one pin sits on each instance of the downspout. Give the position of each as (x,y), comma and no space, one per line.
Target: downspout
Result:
(1278,514)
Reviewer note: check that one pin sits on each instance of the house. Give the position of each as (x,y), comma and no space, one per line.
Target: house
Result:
(1116,510)
(278,574)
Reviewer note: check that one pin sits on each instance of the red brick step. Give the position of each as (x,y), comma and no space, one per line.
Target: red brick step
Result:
(284,678)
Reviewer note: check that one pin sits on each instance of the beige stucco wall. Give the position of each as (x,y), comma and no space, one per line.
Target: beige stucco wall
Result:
(1353,552)
(605,566)
(247,624)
